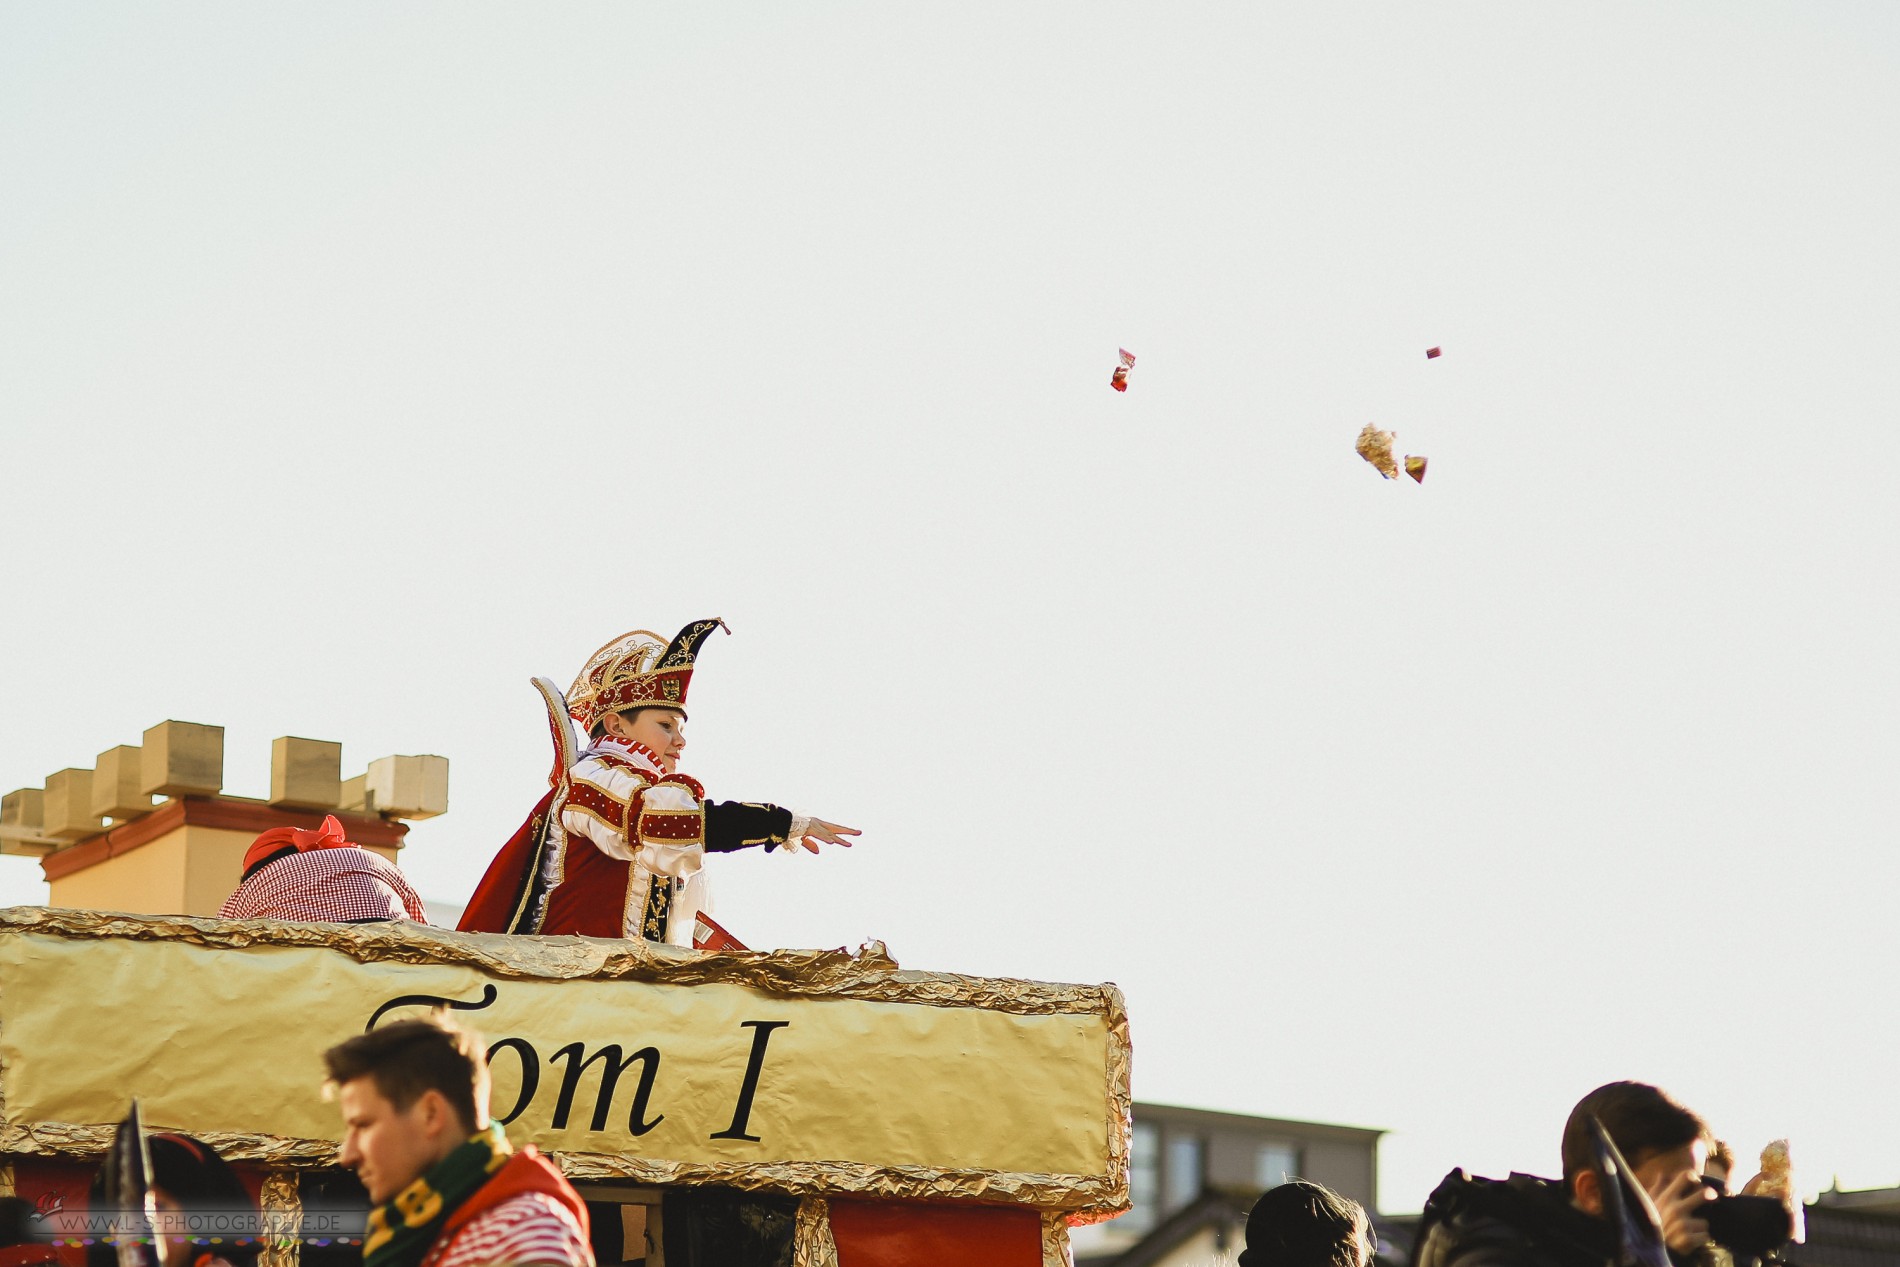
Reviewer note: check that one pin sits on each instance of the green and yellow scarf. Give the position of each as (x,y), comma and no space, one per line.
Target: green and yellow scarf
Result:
(402,1229)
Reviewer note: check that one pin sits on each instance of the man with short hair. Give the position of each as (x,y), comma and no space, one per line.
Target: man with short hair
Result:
(447,1188)
(1524,1221)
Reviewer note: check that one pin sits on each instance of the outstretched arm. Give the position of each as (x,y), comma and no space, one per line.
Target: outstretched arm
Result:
(734,825)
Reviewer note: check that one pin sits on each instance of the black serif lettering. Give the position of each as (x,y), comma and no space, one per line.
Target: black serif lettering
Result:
(761,1035)
(530,1073)
(611,1068)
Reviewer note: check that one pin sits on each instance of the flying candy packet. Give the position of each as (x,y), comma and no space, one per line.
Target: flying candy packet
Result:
(1120,380)
(1375,446)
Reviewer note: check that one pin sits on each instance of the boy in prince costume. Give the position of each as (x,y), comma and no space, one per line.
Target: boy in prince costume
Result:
(617,846)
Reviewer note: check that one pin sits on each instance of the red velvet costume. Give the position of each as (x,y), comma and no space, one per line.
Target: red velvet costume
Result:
(615,848)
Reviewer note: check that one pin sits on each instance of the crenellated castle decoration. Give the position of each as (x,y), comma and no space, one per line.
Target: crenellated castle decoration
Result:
(104,843)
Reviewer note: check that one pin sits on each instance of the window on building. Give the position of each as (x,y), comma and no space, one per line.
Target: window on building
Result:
(1275,1162)
(1144,1179)
(1183,1171)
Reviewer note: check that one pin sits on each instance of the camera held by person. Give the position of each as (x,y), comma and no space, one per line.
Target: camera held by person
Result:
(1634,1193)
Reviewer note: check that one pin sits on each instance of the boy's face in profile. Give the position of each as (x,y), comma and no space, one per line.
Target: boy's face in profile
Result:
(661,729)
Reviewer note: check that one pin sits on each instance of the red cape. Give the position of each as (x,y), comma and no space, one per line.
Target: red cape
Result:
(498,896)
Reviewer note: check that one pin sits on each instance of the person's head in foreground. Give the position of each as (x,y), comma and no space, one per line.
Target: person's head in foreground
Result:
(1666,1146)
(1664,1143)
(448,1189)
(1302,1224)
(205,1213)
(412,1092)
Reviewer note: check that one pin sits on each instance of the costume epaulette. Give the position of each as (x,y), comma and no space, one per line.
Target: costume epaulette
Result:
(587,798)
(686,781)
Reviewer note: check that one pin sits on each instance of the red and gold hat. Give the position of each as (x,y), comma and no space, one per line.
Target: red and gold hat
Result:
(635,669)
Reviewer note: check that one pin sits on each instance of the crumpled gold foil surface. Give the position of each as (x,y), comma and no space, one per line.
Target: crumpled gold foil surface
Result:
(868,973)
(282,1207)
(812,1243)
(1055,1241)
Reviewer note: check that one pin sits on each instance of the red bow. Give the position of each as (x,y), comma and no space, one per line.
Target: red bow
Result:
(328,836)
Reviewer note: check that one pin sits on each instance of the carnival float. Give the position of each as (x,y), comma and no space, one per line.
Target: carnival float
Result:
(792,1108)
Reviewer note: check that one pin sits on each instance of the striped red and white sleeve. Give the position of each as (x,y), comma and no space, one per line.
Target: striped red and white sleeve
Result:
(530,1228)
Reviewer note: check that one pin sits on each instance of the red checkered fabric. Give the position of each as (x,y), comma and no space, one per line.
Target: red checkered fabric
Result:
(339,886)
(530,1228)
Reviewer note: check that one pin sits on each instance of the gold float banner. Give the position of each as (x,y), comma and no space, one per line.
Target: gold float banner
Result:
(629,1062)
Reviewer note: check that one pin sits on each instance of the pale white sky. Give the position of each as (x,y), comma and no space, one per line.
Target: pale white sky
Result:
(358,362)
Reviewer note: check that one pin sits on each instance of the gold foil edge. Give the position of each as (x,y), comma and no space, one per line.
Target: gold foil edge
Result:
(1121,1110)
(869,973)
(800,1178)
(282,1207)
(1055,1241)
(812,1242)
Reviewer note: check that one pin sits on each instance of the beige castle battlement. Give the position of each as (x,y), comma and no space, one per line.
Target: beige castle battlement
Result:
(105,844)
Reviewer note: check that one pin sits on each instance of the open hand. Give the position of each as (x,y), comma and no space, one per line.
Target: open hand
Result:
(830,833)
(1680,1204)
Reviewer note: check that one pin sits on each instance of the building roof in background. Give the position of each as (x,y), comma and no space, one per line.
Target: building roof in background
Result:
(1252,1123)
(1867,1200)
(1861,1233)
(1224,1213)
